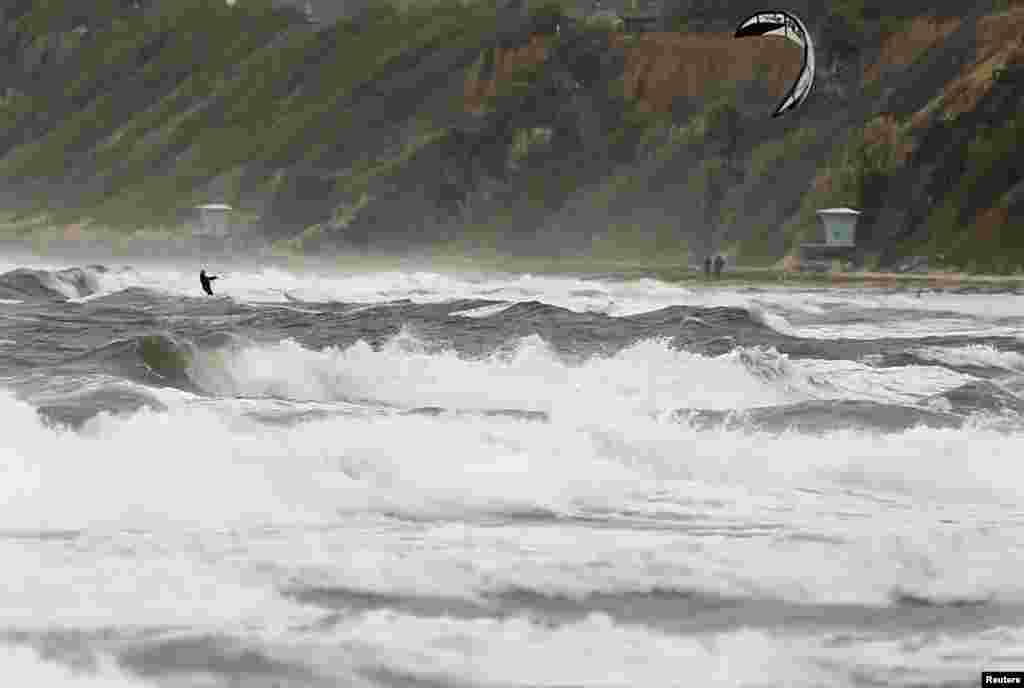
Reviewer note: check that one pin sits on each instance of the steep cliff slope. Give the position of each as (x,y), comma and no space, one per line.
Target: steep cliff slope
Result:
(525,128)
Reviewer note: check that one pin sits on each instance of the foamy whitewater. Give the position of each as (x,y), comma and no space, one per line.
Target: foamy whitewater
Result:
(416,480)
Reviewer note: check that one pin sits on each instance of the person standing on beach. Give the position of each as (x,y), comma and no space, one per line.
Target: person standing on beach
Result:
(719,264)
(707,267)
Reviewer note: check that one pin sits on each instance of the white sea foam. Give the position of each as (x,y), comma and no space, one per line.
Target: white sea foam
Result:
(906,329)
(483,311)
(953,314)
(604,409)
(22,666)
(622,297)
(49,586)
(829,559)
(593,652)
(598,652)
(200,466)
(648,377)
(974,355)
(894,385)
(768,319)
(196,516)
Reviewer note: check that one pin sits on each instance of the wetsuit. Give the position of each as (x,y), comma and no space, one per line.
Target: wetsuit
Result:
(205,280)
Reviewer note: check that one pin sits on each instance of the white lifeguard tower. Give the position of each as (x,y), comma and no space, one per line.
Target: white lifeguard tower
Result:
(213,220)
(840,226)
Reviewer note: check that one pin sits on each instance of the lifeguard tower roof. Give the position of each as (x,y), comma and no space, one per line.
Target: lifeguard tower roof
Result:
(213,219)
(840,225)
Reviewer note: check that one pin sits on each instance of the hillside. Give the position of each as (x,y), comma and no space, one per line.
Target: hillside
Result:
(464,125)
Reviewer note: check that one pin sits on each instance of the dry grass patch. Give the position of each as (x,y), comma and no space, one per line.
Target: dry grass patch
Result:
(988,223)
(823,183)
(661,66)
(506,62)
(886,131)
(790,264)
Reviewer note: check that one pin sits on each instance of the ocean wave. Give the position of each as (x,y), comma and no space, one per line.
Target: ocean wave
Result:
(75,409)
(776,322)
(593,652)
(837,518)
(527,376)
(487,311)
(822,417)
(158,359)
(23,666)
(973,355)
(908,330)
(670,609)
(673,488)
(34,284)
(844,576)
(983,397)
(616,298)
(573,465)
(400,649)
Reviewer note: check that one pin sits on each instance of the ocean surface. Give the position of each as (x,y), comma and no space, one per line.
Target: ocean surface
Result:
(418,480)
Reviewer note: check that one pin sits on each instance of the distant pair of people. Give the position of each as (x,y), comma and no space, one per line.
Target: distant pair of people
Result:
(719,263)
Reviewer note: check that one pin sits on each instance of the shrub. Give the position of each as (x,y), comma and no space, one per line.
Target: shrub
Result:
(603,22)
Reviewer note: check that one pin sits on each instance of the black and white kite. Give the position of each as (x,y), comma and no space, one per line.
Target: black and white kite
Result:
(782,23)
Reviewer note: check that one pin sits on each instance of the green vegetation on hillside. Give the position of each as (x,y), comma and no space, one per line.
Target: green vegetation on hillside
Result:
(222,93)
(361,131)
(971,242)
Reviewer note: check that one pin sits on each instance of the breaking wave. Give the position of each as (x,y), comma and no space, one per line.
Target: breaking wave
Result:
(174,465)
(648,377)
(425,480)
(35,284)
(974,356)
(821,417)
(23,666)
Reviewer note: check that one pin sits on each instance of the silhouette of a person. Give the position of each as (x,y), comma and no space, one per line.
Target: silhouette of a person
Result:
(205,280)
(707,267)
(719,264)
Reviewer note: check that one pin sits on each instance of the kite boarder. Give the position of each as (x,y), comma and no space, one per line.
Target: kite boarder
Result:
(205,280)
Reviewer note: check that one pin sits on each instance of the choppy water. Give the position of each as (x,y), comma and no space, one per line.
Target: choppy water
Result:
(420,480)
